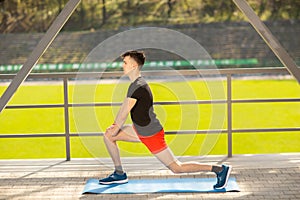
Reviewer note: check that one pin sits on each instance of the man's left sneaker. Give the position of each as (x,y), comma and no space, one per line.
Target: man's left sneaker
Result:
(114,178)
(222,177)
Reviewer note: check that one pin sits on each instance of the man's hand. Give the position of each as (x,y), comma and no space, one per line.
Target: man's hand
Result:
(113,130)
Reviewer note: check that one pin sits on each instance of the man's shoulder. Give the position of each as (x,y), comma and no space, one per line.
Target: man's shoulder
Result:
(141,81)
(138,86)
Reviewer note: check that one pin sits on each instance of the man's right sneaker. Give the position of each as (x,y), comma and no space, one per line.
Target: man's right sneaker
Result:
(114,178)
(222,177)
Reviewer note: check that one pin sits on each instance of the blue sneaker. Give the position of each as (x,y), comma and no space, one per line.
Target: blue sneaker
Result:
(114,178)
(222,177)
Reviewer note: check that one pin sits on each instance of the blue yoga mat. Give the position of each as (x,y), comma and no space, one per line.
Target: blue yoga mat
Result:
(171,185)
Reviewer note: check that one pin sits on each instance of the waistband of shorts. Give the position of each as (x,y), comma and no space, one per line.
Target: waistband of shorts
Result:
(142,136)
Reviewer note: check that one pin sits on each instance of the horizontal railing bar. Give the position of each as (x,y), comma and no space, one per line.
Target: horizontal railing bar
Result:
(265,100)
(195,132)
(167,132)
(32,135)
(255,130)
(35,106)
(111,104)
(44,135)
(224,101)
(202,72)
(266,70)
(94,104)
(188,102)
(156,103)
(101,134)
(208,72)
(61,105)
(86,134)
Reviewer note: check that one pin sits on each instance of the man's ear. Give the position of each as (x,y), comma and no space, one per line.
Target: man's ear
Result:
(134,64)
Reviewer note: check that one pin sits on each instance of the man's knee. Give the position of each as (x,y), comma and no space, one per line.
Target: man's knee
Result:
(108,137)
(175,167)
(175,170)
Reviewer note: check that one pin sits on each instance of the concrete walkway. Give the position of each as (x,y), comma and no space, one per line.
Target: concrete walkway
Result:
(258,176)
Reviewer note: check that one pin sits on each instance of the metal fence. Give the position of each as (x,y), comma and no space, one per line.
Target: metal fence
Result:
(226,73)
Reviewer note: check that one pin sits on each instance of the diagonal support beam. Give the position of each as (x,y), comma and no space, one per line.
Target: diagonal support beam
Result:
(39,50)
(267,36)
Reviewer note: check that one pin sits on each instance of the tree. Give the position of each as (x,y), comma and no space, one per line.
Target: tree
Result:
(103,12)
(36,16)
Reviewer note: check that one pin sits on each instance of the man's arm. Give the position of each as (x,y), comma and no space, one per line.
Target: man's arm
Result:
(127,105)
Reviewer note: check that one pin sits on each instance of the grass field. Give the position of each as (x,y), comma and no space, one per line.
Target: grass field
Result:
(183,117)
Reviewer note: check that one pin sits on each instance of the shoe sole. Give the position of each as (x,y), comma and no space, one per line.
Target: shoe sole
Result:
(227,177)
(114,182)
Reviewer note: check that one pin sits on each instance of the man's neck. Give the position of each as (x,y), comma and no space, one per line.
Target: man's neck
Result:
(133,75)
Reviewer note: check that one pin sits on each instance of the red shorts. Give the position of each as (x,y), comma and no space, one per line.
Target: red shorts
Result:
(155,143)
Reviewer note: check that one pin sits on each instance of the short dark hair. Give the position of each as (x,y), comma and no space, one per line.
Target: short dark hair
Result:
(138,56)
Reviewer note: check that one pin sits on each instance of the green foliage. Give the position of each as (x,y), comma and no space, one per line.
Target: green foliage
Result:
(36,16)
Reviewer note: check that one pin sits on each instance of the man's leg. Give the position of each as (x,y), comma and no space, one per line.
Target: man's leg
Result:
(126,134)
(168,159)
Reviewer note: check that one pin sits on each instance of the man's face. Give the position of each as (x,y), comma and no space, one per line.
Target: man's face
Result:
(129,64)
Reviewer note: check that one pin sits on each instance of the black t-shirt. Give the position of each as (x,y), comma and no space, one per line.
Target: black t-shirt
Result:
(142,114)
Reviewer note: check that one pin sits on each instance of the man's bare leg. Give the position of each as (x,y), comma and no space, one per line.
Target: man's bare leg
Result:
(125,134)
(168,159)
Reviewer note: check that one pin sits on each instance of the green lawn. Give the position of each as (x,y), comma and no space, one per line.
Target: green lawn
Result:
(173,117)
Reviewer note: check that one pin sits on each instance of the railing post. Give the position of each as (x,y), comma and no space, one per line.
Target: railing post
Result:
(229,116)
(67,125)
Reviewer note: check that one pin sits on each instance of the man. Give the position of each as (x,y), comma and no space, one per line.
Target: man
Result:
(146,128)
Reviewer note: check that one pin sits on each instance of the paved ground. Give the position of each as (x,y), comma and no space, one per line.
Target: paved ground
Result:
(258,176)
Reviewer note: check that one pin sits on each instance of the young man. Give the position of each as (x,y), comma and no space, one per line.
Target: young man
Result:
(146,128)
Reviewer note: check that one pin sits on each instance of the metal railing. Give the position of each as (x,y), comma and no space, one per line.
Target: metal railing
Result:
(227,73)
